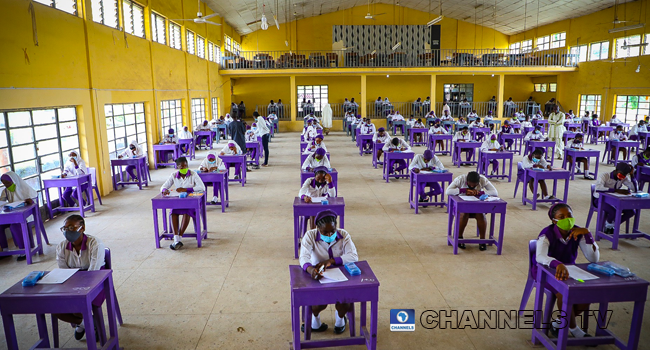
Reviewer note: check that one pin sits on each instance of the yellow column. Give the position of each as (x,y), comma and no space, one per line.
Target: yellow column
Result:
(432,93)
(362,99)
(294,97)
(502,80)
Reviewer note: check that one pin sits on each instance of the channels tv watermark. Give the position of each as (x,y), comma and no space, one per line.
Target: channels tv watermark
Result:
(402,320)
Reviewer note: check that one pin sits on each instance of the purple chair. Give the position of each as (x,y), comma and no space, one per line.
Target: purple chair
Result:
(593,209)
(520,177)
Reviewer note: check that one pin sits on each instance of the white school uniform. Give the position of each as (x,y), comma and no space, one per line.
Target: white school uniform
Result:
(314,250)
(573,144)
(191,180)
(185,135)
(310,132)
(418,125)
(514,121)
(368,129)
(460,137)
(445,118)
(439,130)
(71,170)
(604,183)
(217,163)
(532,136)
(477,124)
(616,120)
(310,190)
(528,163)
(202,127)
(488,117)
(384,139)
(170,138)
(311,162)
(251,136)
(419,163)
(313,146)
(446,108)
(615,136)
(487,145)
(398,118)
(543,245)
(228,152)
(90,256)
(410,122)
(472,115)
(526,124)
(127,153)
(484,185)
(402,144)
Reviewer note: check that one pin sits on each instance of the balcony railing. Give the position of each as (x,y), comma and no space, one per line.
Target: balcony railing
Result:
(283,112)
(427,58)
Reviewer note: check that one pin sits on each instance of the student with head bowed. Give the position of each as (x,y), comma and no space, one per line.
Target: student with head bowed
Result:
(557,246)
(618,135)
(472,184)
(321,248)
(16,189)
(536,160)
(535,134)
(75,166)
(427,162)
(184,181)
(381,136)
(577,143)
(317,143)
(212,163)
(492,145)
(437,129)
(396,145)
(232,149)
(315,160)
(320,185)
(134,150)
(185,134)
(613,182)
(463,135)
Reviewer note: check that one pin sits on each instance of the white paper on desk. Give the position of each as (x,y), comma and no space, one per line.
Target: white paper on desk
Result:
(318,199)
(619,194)
(489,151)
(469,198)
(57,276)
(332,276)
(172,194)
(490,199)
(426,172)
(579,274)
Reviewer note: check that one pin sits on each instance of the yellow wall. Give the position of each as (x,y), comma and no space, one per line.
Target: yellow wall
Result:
(398,88)
(542,97)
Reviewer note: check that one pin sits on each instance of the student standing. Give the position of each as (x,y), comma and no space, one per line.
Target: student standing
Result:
(556,130)
(427,162)
(263,132)
(16,189)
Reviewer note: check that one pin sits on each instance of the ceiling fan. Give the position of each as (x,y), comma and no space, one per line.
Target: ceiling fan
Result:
(200,19)
(616,20)
(371,16)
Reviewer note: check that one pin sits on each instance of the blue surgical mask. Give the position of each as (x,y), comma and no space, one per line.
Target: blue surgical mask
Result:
(328,239)
(536,160)
(537,132)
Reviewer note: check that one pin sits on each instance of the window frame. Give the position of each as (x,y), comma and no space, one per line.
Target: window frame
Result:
(543,43)
(200,48)
(559,41)
(215,107)
(600,45)
(155,32)
(133,5)
(191,49)
(540,87)
(53,4)
(197,107)
(127,137)
(552,87)
(100,13)
(646,49)
(629,51)
(527,46)
(317,106)
(640,112)
(169,120)
(584,104)
(515,48)
(172,35)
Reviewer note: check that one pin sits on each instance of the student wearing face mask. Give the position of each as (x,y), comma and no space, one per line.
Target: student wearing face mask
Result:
(316,144)
(437,129)
(185,134)
(183,181)
(535,134)
(464,136)
(16,189)
(557,246)
(78,251)
(396,145)
(320,185)
(315,160)
(134,150)
(614,182)
(472,184)
(327,246)
(507,129)
(75,166)
(231,149)
(212,163)
(635,129)
(577,143)
(492,145)
(427,162)
(536,160)
(639,160)
(618,135)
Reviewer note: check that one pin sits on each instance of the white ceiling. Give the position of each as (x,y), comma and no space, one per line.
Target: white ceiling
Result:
(512,16)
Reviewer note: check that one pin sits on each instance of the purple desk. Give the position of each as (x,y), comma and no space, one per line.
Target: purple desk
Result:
(393,156)
(219,182)
(73,296)
(457,206)
(377,146)
(20,216)
(306,292)
(517,139)
(476,131)
(254,147)
(537,175)
(70,181)
(642,176)
(218,132)
(401,124)
(459,146)
(208,135)
(423,131)
(168,202)
(236,159)
(303,146)
(306,174)
(189,145)
(417,179)
(594,132)
(575,153)
(160,152)
(516,127)
(304,155)
(531,145)
(485,160)
(644,137)
(140,164)
(542,122)
(568,135)
(602,291)
(620,202)
(615,146)
(303,211)
(445,138)
(362,141)
(569,126)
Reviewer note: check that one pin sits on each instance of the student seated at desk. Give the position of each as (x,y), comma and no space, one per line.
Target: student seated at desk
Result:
(477,124)
(577,143)
(170,138)
(309,132)
(381,136)
(526,123)
(323,247)
(615,120)
(492,145)
(427,162)
(183,180)
(557,246)
(212,163)
(250,135)
(437,129)
(535,134)
(461,121)
(367,127)
(316,144)
(398,117)
(418,125)
(639,160)
(185,135)
(320,185)
(618,135)
(75,166)
(396,145)
(431,114)
(536,160)
(488,116)
(79,251)
(613,182)
(134,150)
(411,121)
(232,149)
(315,160)
(507,129)
(472,184)
(638,127)
(514,119)
(446,116)
(472,114)
(16,189)
(228,119)
(464,136)
(199,139)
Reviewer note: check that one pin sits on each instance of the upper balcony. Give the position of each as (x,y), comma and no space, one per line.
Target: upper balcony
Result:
(434,60)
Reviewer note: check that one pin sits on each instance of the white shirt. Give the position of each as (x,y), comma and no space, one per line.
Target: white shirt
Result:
(90,256)
(314,250)
(484,185)
(615,136)
(185,135)
(532,136)
(488,145)
(398,118)
(311,162)
(526,124)
(635,160)
(70,170)
(384,139)
(327,190)
(418,163)
(202,127)
(460,137)
(514,121)
(573,144)
(445,108)
(476,124)
(170,138)
(313,146)
(127,153)
(446,117)
(227,152)
(217,163)
(541,254)
(528,163)
(410,122)
(616,120)
(418,125)
(251,136)
(488,117)
(402,144)
(191,180)
(439,130)
(472,115)
(604,183)
(634,130)
(367,129)
(310,132)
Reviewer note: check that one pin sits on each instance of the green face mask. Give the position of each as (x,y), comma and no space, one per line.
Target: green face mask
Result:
(183,171)
(12,188)
(566,224)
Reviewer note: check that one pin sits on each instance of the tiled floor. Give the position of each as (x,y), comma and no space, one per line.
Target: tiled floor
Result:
(233,293)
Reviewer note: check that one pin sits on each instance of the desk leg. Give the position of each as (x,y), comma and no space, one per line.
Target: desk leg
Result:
(40,230)
(596,169)
(243,171)
(373,325)
(42,331)
(492,218)
(535,184)
(26,241)
(566,191)
(307,320)
(89,194)
(563,334)
(139,172)
(49,202)
(450,219)
(10,331)
(197,224)
(223,197)
(155,227)
(456,231)
(204,212)
(80,199)
(295,315)
(90,331)
(113,178)
(635,327)
(296,236)
(617,228)
(502,226)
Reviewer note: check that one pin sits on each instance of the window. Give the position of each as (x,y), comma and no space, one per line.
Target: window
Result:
(133,18)
(558,40)
(458,92)
(200,46)
(646,49)
(39,142)
(599,51)
(624,50)
(175,36)
(552,87)
(69,6)
(514,48)
(527,46)
(213,52)
(198,111)
(540,87)
(158,33)
(317,94)
(236,48)
(105,12)
(579,53)
(632,108)
(190,42)
(215,107)
(228,46)
(543,43)
(589,103)
(125,123)
(171,116)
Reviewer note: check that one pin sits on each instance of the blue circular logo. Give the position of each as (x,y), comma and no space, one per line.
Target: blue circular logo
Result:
(402,316)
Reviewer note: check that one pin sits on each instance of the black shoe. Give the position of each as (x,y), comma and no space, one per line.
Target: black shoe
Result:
(423,199)
(322,328)
(587,177)
(22,257)
(176,245)
(609,231)
(482,247)
(79,335)
(554,331)
(340,330)
(461,245)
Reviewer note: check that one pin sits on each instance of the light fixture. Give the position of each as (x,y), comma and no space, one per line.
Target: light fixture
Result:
(435,20)
(638,68)
(286,43)
(397,45)
(492,74)
(387,75)
(630,27)
(265,23)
